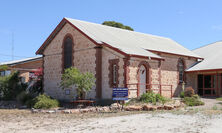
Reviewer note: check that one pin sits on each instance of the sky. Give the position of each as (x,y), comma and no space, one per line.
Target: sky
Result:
(27,23)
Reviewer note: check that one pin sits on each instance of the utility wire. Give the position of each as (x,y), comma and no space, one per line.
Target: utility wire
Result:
(13,55)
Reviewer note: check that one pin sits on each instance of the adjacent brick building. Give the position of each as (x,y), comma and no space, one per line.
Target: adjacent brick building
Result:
(206,75)
(117,58)
(26,67)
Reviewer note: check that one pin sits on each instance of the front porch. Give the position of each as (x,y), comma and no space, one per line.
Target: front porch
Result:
(137,89)
(209,84)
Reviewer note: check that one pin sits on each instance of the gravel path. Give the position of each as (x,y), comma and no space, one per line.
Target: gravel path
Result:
(160,123)
(202,119)
(174,122)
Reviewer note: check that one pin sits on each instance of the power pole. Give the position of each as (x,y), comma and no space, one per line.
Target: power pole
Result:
(12,45)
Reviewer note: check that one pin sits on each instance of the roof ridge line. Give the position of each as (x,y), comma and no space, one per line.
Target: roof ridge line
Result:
(121,29)
(206,45)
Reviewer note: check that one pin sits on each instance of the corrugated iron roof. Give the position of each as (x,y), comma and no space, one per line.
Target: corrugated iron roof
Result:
(131,42)
(20,61)
(212,57)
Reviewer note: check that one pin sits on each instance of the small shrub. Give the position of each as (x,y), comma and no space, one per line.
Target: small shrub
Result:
(214,107)
(219,99)
(148,97)
(44,102)
(151,97)
(182,94)
(23,97)
(196,96)
(193,101)
(189,92)
(11,86)
(161,99)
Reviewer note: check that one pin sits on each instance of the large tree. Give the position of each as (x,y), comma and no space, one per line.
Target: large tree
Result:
(117,25)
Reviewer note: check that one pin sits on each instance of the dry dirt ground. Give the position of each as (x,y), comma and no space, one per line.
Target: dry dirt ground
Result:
(188,120)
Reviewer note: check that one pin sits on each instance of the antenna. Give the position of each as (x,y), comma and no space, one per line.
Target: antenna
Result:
(12,45)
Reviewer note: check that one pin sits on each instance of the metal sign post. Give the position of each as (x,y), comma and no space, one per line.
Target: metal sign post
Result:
(120,94)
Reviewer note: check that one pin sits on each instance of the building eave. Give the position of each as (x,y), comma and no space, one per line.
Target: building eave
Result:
(206,70)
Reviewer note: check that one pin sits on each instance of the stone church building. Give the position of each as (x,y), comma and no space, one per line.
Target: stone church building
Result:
(117,58)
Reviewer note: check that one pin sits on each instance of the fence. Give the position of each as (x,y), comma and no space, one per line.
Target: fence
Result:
(163,90)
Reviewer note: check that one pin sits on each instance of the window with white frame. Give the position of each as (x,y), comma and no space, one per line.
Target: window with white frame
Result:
(114,74)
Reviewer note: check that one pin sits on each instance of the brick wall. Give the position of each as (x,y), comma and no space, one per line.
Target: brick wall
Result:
(192,80)
(169,71)
(84,60)
(108,54)
(165,72)
(133,74)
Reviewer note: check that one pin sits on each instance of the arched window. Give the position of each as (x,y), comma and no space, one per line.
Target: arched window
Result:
(67,58)
(181,70)
(113,72)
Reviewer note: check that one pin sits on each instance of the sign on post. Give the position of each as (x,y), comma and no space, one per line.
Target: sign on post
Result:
(120,94)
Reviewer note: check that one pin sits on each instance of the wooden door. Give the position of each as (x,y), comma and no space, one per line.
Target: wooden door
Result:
(142,80)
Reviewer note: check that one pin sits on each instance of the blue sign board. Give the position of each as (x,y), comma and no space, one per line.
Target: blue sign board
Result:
(120,94)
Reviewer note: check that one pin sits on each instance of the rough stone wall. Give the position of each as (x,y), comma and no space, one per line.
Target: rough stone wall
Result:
(108,54)
(84,59)
(133,74)
(165,74)
(191,79)
(169,71)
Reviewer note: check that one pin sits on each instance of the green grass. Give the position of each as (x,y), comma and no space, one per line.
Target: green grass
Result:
(193,101)
(219,99)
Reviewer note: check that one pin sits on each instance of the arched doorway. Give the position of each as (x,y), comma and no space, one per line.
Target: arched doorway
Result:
(142,79)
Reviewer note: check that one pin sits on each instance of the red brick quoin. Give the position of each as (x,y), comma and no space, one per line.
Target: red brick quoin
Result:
(111,63)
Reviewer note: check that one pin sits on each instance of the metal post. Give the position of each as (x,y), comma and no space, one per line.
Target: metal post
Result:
(160,90)
(217,93)
(183,85)
(171,91)
(203,85)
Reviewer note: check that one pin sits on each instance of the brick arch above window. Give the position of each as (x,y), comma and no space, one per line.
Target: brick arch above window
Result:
(181,67)
(68,38)
(181,60)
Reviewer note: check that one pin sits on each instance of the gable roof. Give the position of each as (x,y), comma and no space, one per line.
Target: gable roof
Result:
(212,57)
(129,42)
(21,61)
